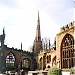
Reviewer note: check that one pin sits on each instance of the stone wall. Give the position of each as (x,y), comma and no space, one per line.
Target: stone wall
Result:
(67,29)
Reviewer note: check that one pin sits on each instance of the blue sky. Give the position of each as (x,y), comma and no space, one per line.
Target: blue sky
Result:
(19,17)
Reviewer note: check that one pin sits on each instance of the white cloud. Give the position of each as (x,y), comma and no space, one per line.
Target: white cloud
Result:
(20,21)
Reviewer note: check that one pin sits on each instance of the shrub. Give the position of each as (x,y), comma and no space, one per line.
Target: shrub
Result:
(72,71)
(54,71)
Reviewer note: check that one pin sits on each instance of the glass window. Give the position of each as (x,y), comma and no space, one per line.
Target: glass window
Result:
(10,60)
(68,52)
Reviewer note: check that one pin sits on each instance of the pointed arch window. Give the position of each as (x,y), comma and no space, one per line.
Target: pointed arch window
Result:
(49,59)
(67,52)
(41,63)
(26,63)
(10,61)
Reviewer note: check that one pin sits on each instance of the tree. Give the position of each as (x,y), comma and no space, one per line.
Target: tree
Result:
(46,43)
(30,49)
(54,71)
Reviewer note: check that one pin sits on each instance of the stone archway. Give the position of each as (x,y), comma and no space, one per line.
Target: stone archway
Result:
(67,52)
(26,63)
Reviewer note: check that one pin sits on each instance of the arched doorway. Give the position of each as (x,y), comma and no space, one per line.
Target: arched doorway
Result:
(67,52)
(10,61)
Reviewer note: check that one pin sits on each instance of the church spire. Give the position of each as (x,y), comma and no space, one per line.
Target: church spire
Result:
(37,46)
(38,18)
(38,35)
(38,22)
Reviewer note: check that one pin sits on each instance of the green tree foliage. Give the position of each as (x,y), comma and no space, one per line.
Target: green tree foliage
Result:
(72,71)
(54,71)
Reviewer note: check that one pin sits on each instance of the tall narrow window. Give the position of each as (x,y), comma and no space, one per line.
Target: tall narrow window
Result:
(41,63)
(47,60)
(10,61)
(67,52)
(26,63)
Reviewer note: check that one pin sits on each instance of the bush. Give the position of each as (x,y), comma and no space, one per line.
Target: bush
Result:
(54,71)
(72,71)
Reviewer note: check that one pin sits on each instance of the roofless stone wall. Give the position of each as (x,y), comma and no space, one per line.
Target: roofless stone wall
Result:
(68,26)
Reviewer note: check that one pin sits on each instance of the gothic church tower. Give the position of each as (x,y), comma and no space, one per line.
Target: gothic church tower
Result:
(37,45)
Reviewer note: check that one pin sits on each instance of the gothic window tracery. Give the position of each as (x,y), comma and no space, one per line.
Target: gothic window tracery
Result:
(10,60)
(67,52)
